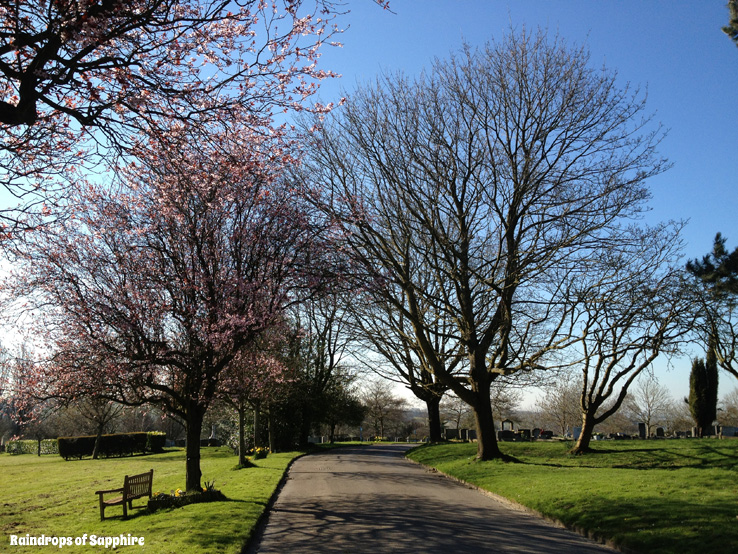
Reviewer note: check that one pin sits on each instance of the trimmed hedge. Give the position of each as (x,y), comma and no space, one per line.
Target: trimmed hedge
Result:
(113,445)
(48,446)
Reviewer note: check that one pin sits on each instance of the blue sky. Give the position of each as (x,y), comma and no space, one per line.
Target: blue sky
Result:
(674,49)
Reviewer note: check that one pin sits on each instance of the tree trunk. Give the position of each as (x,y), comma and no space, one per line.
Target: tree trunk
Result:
(195,416)
(242,461)
(272,432)
(434,418)
(585,437)
(98,439)
(305,425)
(487,447)
(257,427)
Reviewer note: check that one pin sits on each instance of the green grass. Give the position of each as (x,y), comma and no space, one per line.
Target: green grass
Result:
(648,496)
(47,495)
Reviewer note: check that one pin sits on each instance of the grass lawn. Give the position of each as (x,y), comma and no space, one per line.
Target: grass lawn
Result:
(660,496)
(47,495)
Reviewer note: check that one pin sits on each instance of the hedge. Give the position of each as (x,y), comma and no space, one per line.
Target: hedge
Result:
(113,445)
(48,446)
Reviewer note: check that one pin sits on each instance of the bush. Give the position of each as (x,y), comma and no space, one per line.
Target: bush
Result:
(155,441)
(114,445)
(48,446)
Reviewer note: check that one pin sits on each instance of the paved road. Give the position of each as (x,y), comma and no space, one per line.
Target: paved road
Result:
(371,499)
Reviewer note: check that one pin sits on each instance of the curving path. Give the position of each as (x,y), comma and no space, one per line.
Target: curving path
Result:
(371,499)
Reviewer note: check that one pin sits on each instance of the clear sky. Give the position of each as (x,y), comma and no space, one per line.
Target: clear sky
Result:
(674,49)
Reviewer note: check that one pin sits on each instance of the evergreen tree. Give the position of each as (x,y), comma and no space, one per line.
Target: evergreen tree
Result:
(719,268)
(703,391)
(732,29)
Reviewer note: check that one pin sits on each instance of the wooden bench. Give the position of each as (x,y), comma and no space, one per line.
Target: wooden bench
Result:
(134,486)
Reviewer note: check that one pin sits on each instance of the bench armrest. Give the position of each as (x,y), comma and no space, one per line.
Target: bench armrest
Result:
(109,491)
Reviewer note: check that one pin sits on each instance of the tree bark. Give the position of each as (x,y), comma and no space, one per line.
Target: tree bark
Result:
(195,416)
(585,437)
(487,446)
(272,432)
(242,461)
(306,424)
(258,432)
(98,439)
(434,419)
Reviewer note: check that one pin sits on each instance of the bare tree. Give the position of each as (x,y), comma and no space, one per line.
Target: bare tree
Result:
(728,410)
(456,412)
(559,405)
(383,408)
(323,341)
(496,173)
(630,307)
(649,401)
(388,332)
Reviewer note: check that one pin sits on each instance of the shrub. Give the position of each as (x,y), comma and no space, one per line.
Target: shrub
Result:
(48,446)
(155,441)
(113,445)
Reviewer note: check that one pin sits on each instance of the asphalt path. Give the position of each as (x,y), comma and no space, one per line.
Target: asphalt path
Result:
(371,499)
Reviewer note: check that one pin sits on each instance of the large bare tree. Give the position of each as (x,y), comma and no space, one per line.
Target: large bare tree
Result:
(495,172)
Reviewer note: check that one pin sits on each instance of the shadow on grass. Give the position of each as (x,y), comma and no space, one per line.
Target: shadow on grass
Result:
(656,526)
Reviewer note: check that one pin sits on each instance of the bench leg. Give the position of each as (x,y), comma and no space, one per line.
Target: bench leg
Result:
(102,510)
(125,509)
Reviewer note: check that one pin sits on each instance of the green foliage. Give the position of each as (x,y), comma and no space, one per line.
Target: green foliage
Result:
(718,269)
(113,445)
(48,446)
(658,497)
(38,499)
(703,391)
(155,441)
(732,28)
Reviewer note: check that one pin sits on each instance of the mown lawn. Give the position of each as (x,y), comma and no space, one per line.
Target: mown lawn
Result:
(47,495)
(656,497)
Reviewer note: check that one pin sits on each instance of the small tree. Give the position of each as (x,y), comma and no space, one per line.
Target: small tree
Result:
(455,412)
(383,408)
(648,401)
(559,405)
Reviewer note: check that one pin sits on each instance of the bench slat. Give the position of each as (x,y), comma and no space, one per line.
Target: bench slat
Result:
(134,486)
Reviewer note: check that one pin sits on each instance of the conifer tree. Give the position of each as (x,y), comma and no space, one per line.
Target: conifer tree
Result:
(703,391)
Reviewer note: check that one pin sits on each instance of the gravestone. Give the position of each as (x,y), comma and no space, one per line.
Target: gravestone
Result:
(642,430)
(506,435)
(660,432)
(451,434)
(726,431)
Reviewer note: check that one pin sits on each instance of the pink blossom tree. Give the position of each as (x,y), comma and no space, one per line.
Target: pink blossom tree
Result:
(147,292)
(79,79)
(252,379)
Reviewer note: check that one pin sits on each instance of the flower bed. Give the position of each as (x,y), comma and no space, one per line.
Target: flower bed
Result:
(260,453)
(179,498)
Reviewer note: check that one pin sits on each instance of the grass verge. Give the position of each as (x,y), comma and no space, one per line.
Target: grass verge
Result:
(46,495)
(658,497)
